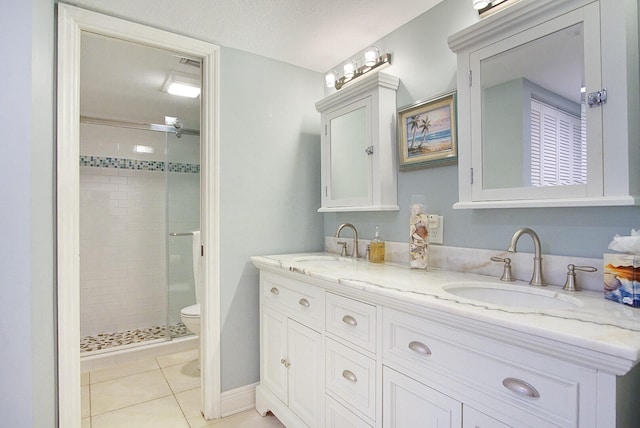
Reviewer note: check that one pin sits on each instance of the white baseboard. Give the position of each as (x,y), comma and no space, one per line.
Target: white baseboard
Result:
(238,400)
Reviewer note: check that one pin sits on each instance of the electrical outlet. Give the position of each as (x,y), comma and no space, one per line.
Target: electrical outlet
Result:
(436,228)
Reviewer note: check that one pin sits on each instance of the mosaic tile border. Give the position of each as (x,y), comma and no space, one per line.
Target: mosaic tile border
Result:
(137,165)
(104,341)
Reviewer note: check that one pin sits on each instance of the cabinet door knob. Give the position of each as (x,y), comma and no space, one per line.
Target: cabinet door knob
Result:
(285,363)
(304,302)
(275,291)
(419,347)
(520,387)
(348,319)
(348,375)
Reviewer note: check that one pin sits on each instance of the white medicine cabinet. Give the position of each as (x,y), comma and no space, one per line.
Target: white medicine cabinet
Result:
(547,94)
(358,155)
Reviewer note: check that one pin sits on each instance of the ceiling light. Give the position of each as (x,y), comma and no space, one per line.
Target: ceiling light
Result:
(480,4)
(182,86)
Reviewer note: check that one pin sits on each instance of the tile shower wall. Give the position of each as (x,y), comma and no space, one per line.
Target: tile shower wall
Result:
(123,228)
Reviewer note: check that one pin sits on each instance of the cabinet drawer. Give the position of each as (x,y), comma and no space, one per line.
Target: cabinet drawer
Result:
(339,416)
(351,378)
(526,381)
(299,301)
(351,320)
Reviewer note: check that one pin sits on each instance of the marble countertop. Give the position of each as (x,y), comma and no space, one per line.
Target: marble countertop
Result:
(601,331)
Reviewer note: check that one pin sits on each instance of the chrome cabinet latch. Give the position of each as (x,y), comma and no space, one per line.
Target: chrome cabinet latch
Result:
(369,150)
(597,98)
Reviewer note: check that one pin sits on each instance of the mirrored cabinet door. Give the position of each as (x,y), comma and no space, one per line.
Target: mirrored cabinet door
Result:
(532,131)
(533,134)
(359,161)
(348,137)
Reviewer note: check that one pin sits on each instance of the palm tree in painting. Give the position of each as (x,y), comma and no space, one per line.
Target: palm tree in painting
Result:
(414,124)
(424,128)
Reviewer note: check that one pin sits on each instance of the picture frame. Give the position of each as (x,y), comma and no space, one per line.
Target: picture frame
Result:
(427,132)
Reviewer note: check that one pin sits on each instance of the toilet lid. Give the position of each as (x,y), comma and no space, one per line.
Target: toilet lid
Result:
(191,311)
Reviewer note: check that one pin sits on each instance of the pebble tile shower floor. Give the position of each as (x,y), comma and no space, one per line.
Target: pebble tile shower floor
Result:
(121,338)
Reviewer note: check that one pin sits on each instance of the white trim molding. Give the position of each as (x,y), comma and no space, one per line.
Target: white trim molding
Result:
(238,400)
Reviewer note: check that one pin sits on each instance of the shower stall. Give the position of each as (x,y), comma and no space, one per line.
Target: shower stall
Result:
(139,204)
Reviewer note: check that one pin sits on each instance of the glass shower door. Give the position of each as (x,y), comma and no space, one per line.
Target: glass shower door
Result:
(183,218)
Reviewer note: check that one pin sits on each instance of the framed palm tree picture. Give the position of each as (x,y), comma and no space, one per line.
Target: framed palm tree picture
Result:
(427,132)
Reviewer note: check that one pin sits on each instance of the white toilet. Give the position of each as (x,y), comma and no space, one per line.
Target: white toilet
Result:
(190,315)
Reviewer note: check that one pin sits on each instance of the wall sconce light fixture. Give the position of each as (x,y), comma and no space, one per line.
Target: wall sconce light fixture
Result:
(351,71)
(484,6)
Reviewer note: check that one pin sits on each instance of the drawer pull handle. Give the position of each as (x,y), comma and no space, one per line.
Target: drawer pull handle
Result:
(285,363)
(275,291)
(520,387)
(348,375)
(349,320)
(304,302)
(420,348)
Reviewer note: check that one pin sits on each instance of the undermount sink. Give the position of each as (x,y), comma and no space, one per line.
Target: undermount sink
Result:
(512,295)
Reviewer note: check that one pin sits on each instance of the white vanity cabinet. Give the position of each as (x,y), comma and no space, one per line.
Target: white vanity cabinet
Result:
(367,356)
(291,351)
(358,155)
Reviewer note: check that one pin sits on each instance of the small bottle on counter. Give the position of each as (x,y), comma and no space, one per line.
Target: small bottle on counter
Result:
(377,248)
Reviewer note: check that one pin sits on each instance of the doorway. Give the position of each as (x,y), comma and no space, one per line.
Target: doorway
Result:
(73,24)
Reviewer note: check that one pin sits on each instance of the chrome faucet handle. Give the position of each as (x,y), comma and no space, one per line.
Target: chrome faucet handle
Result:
(343,252)
(506,273)
(570,284)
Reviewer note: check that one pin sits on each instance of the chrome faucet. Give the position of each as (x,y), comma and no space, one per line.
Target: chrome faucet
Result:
(536,278)
(355,254)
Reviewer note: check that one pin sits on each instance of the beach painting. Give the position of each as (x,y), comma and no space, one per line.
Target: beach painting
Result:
(427,132)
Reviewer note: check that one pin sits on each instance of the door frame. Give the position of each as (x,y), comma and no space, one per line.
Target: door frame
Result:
(72,21)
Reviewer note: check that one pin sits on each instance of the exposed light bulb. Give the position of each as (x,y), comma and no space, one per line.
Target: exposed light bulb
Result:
(480,4)
(371,56)
(330,79)
(349,70)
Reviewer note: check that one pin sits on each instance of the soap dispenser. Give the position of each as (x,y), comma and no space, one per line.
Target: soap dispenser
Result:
(377,248)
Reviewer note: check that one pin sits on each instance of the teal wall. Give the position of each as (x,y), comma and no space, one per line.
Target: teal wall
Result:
(269,189)
(27,368)
(426,67)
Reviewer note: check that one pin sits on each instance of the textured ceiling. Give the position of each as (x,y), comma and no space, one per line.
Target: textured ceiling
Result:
(313,34)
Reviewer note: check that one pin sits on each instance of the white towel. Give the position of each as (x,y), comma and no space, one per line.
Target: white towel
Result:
(197,263)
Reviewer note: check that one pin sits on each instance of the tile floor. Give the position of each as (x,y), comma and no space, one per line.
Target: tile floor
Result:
(161,392)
